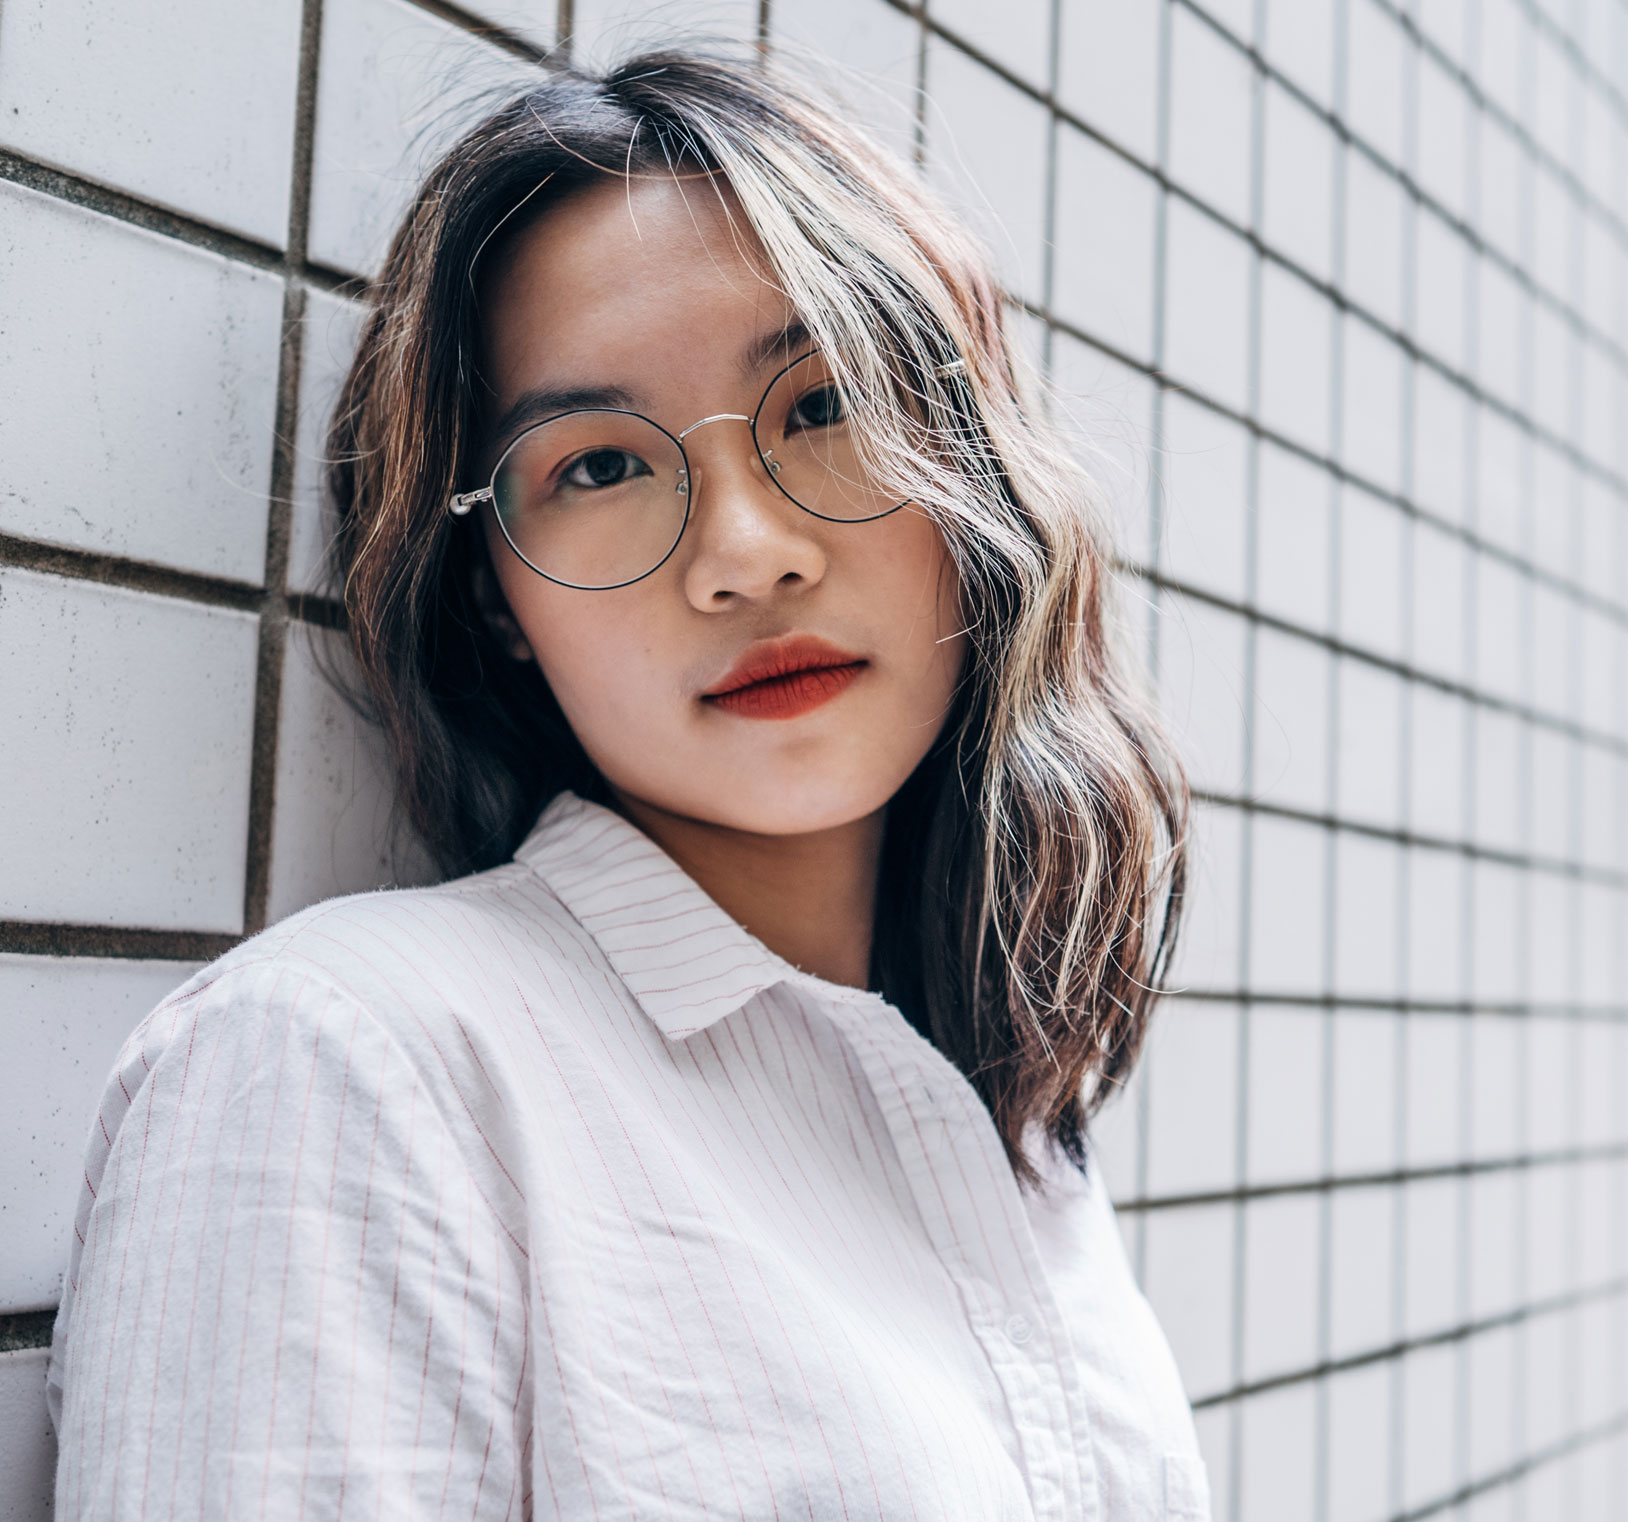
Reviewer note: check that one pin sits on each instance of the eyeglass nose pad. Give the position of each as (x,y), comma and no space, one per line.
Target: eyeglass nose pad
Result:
(683,487)
(771,462)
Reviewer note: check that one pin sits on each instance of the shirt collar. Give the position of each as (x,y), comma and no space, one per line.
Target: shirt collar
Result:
(685,960)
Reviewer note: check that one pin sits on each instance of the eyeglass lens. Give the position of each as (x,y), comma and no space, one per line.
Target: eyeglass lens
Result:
(598,498)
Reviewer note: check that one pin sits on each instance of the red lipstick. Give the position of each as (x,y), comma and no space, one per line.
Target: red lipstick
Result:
(785,678)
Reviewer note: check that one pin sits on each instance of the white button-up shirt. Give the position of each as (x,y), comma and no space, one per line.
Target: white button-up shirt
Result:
(551,1192)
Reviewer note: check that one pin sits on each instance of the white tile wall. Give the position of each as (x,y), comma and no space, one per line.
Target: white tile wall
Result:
(1380,589)
(332,329)
(396,86)
(66,1018)
(334,829)
(27,1445)
(188,104)
(129,739)
(138,391)
(987,151)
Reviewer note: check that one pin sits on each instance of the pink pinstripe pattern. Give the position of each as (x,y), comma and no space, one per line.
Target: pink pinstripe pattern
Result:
(552,1193)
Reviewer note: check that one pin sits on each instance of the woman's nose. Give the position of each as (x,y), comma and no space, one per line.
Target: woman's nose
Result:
(746,539)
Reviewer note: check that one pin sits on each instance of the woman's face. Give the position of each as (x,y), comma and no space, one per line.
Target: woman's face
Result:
(647,289)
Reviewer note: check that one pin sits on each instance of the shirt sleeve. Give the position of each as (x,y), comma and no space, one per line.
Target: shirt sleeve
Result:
(287,1296)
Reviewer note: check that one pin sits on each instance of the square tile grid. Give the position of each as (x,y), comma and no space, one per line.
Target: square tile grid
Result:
(1337,295)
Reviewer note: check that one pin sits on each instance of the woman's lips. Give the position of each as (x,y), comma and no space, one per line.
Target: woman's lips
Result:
(785,678)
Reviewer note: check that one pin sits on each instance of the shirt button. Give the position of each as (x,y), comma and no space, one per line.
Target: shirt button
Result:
(1018,1329)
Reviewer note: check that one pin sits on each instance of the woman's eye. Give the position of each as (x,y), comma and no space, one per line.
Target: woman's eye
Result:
(599,468)
(819,408)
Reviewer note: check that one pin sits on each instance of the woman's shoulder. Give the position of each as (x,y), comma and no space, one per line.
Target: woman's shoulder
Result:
(426,963)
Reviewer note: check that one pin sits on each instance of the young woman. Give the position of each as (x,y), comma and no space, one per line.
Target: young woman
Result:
(713,1143)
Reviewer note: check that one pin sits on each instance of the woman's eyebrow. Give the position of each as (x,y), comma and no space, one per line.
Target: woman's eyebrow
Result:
(783,341)
(544,402)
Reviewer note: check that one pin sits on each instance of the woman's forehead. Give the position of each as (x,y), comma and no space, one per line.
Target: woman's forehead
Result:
(627,274)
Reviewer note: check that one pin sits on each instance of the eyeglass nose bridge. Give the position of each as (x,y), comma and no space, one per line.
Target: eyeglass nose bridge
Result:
(683,487)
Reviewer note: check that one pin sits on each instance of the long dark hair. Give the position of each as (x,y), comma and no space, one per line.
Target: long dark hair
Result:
(1033,866)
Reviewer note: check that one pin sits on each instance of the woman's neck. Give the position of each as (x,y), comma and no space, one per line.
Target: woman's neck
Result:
(809,898)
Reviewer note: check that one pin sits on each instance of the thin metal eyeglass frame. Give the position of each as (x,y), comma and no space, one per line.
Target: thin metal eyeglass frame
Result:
(461,503)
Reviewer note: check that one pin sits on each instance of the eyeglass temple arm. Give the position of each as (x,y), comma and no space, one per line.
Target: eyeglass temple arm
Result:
(461,503)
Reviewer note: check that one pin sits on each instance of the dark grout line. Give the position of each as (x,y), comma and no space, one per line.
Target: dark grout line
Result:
(194,232)
(274,615)
(1499,1478)
(21,1331)
(25,938)
(1243,1193)
(1585,1014)
(132,575)
(1603,877)
(1397,667)
(510,42)
(1394,1352)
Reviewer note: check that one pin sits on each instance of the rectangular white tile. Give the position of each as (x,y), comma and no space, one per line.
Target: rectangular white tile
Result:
(1108,68)
(1204,467)
(1296,363)
(1360,1429)
(1442,135)
(1297,194)
(128,758)
(986,152)
(1279,1449)
(1441,268)
(1368,758)
(1300,40)
(1371,441)
(1211,113)
(1375,237)
(1440,568)
(1430,1407)
(1286,1101)
(1203,691)
(1437,796)
(1192,1097)
(1189,1284)
(1287,930)
(1103,274)
(1435,935)
(1371,582)
(1207,954)
(1294,539)
(1207,306)
(138,391)
(1441,412)
(1017,36)
(1498,927)
(1281,1265)
(28,1449)
(1362,1269)
(605,32)
(65,1021)
(1292,720)
(188,104)
(863,51)
(1367,915)
(1376,73)
(334,829)
(328,344)
(1106,410)
(1431,1234)
(1366,1053)
(396,88)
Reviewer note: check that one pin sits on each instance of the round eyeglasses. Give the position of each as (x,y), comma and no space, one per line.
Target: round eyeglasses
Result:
(598,497)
